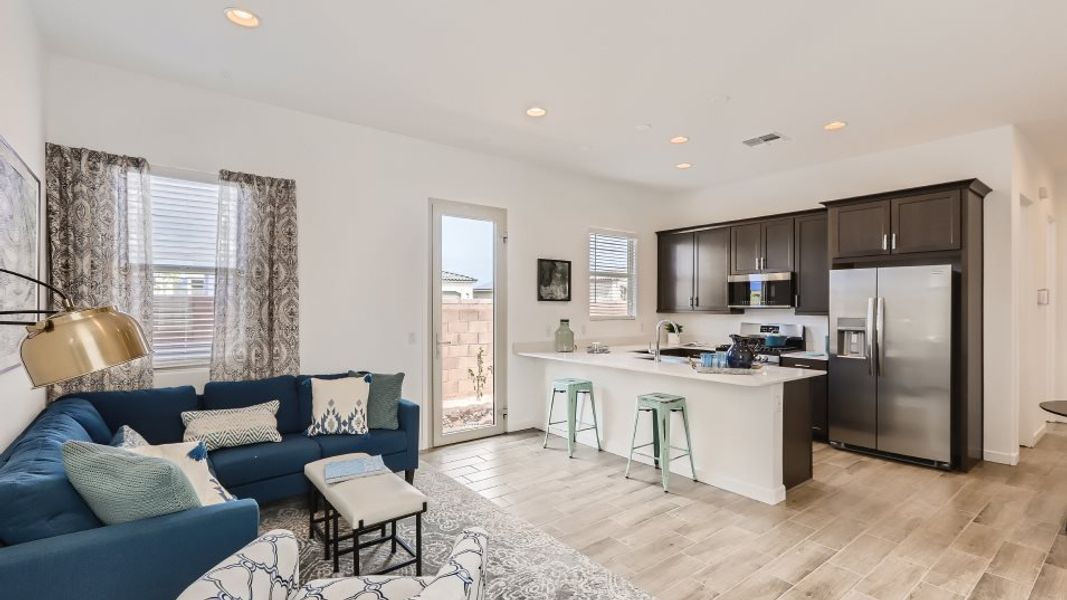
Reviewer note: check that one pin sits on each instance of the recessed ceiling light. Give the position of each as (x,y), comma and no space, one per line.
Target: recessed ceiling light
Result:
(682,166)
(679,139)
(536,111)
(835,125)
(242,17)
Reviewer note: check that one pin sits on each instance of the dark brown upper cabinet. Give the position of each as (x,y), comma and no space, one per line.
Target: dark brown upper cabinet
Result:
(778,245)
(762,247)
(925,222)
(859,230)
(747,248)
(676,271)
(712,269)
(812,265)
(919,220)
(693,268)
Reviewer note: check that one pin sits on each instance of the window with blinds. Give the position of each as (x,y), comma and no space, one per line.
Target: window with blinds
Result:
(612,275)
(184,232)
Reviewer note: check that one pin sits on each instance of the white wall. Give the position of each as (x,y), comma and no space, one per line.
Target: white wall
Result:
(986,155)
(22,125)
(1060,359)
(1031,173)
(364,215)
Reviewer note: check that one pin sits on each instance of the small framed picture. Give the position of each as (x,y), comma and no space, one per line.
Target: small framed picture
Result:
(553,280)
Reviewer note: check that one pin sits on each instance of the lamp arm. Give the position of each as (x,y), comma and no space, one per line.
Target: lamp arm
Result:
(66,300)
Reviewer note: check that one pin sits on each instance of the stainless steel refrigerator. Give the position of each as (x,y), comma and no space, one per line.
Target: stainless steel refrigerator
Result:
(891,361)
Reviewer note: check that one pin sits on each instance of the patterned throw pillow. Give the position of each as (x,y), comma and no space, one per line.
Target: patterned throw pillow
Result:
(120,485)
(229,427)
(191,458)
(127,438)
(384,400)
(339,406)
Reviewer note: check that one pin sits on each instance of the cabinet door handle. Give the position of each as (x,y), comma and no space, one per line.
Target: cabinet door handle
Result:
(800,366)
(757,263)
(690,302)
(696,302)
(893,243)
(885,242)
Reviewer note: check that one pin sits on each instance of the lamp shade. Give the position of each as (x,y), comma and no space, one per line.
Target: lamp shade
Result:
(73,343)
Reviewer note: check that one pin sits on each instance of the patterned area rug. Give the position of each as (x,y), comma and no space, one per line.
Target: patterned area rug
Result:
(524,562)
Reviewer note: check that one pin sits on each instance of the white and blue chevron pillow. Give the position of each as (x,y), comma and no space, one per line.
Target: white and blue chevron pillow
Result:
(339,406)
(229,427)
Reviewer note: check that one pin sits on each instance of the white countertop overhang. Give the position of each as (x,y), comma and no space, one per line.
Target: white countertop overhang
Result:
(626,358)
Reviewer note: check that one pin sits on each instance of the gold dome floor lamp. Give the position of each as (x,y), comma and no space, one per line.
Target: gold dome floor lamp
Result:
(72,341)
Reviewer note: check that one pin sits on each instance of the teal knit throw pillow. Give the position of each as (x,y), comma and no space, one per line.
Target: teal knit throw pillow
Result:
(120,485)
(384,400)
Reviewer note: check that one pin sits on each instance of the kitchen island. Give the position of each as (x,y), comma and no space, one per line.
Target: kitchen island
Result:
(751,434)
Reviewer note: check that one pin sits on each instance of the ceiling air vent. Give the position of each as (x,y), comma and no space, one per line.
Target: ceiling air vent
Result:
(763,139)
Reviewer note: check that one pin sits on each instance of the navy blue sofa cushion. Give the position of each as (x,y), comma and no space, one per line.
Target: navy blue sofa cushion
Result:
(36,498)
(239,394)
(245,464)
(155,413)
(86,415)
(375,441)
(150,559)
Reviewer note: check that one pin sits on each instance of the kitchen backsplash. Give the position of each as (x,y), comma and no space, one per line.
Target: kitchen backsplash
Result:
(716,329)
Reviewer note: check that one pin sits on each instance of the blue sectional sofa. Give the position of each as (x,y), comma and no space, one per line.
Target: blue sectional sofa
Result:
(55,547)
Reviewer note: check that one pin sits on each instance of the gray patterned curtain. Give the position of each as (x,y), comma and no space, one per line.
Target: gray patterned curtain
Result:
(257,300)
(99,251)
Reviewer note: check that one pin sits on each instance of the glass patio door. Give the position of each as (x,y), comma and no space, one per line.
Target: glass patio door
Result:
(468,321)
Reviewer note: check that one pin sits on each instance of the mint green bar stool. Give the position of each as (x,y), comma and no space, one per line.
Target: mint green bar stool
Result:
(572,387)
(661,407)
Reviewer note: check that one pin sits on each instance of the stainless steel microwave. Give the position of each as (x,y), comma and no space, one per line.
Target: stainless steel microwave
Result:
(761,290)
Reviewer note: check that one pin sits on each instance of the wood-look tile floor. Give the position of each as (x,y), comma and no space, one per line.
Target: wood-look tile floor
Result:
(862,528)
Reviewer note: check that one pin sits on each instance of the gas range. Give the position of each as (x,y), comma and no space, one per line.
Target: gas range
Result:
(756,334)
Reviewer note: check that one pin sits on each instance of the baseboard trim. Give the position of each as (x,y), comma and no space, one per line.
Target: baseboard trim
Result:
(1040,433)
(1004,458)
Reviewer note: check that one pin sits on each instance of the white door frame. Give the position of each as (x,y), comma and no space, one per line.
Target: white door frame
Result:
(498,216)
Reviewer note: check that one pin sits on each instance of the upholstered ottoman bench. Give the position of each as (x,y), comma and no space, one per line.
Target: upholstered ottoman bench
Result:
(368,505)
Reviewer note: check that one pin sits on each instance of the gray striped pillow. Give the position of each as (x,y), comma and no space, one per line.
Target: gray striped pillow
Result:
(230,427)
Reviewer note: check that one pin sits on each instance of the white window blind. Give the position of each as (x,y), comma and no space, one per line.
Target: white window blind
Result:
(184,232)
(612,275)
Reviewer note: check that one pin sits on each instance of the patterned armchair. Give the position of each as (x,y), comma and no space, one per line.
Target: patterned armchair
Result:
(268,569)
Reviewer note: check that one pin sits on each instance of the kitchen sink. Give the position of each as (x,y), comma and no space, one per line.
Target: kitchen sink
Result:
(672,355)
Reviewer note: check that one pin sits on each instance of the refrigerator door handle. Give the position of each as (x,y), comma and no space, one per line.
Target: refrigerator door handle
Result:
(879,343)
(868,335)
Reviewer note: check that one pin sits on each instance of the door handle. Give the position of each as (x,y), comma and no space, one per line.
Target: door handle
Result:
(879,326)
(868,334)
(893,242)
(757,263)
(800,366)
(885,241)
(439,344)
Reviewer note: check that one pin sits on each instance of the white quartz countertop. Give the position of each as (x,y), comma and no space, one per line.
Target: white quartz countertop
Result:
(624,358)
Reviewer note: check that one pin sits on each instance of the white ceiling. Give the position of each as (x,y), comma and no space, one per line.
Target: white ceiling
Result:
(462,72)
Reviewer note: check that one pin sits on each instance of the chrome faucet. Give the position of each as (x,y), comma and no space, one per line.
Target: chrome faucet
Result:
(654,346)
